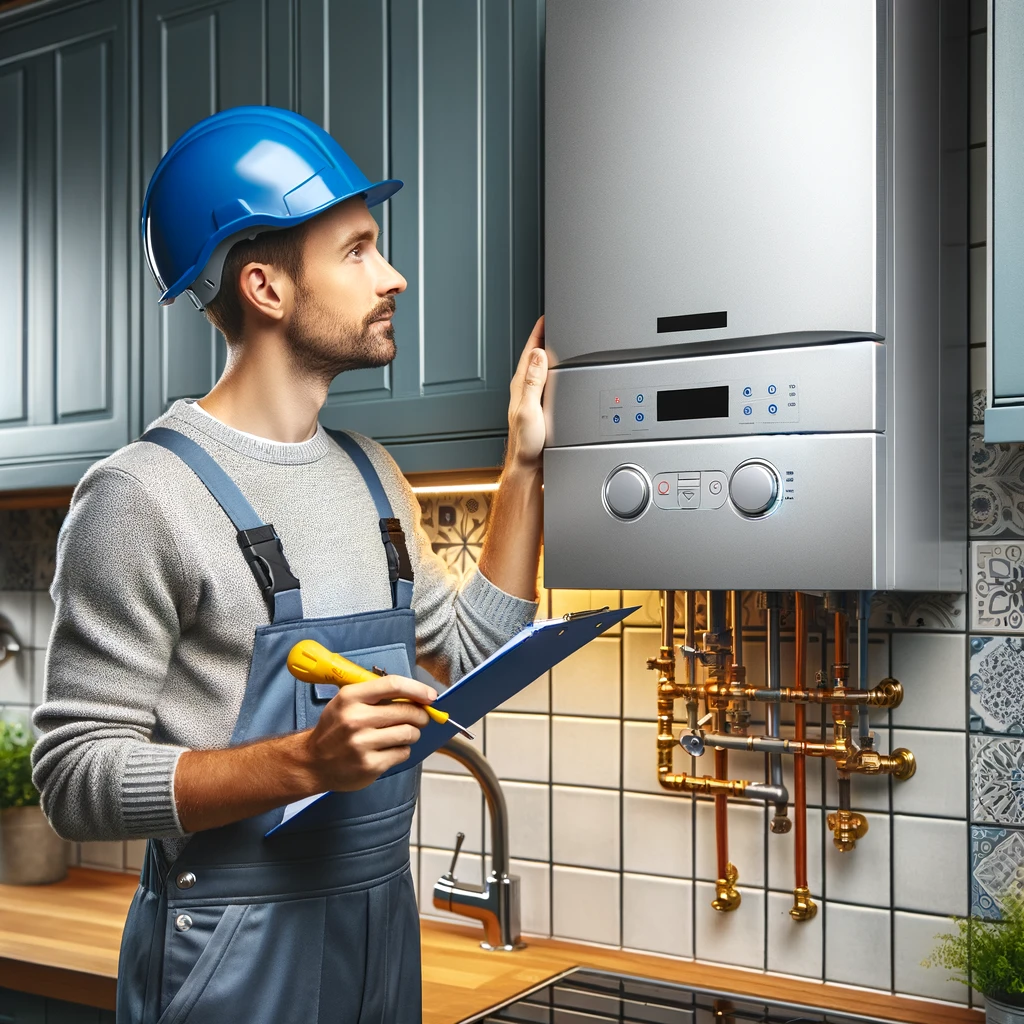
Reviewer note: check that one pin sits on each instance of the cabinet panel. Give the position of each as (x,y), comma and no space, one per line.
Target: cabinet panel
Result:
(65,215)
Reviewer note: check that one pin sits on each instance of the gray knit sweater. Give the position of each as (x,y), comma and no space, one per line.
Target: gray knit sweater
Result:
(156,610)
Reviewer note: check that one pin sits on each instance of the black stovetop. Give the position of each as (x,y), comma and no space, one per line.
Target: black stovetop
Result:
(595,997)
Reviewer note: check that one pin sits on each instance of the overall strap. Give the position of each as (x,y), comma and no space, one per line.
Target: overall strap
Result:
(259,541)
(400,572)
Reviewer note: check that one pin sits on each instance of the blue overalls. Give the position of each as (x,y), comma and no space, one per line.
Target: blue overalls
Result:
(306,927)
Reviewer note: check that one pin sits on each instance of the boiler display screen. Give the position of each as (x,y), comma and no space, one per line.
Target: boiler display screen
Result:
(694,404)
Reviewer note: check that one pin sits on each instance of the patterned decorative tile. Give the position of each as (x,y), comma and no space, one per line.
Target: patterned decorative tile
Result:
(905,610)
(997,488)
(997,684)
(456,525)
(997,856)
(28,547)
(997,587)
(997,780)
(979,402)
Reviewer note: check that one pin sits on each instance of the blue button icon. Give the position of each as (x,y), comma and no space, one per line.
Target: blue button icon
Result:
(747,392)
(616,418)
(772,389)
(639,399)
(747,411)
(773,409)
(639,417)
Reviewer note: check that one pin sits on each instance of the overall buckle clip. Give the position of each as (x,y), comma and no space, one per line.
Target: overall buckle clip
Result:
(262,549)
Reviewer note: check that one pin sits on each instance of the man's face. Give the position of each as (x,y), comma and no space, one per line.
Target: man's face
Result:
(345,298)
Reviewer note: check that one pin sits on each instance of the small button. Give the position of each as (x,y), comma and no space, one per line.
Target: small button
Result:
(186,880)
(639,417)
(747,392)
(747,411)
(639,399)
(626,493)
(664,487)
(772,389)
(772,409)
(616,418)
(183,922)
(715,487)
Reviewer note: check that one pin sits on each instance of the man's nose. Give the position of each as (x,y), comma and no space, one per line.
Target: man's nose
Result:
(391,281)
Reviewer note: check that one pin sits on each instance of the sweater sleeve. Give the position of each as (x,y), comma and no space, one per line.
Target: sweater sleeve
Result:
(117,591)
(458,623)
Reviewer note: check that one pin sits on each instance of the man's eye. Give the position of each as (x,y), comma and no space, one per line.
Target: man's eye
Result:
(357,251)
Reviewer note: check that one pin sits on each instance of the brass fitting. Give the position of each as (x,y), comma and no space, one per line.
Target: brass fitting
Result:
(900,764)
(780,825)
(846,828)
(727,896)
(804,908)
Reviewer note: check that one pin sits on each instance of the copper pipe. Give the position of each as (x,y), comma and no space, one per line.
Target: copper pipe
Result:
(803,908)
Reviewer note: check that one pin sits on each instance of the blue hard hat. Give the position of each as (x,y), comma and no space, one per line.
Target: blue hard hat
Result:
(232,175)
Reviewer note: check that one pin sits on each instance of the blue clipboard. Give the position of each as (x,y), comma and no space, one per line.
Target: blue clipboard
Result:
(526,657)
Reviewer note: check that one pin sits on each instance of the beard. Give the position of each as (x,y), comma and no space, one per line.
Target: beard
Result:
(325,344)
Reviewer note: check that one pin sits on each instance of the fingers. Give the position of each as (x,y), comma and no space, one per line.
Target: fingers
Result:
(392,736)
(387,688)
(535,342)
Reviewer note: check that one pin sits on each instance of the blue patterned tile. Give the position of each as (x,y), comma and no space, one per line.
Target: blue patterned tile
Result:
(997,868)
(997,684)
(997,780)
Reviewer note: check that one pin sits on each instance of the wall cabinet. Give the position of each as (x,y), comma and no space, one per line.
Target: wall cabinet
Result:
(445,96)
(66,330)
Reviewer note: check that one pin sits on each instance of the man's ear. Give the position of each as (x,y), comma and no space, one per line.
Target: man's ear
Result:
(266,289)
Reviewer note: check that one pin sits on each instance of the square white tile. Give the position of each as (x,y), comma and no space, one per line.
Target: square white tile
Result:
(794,947)
(518,746)
(930,865)
(587,682)
(865,930)
(17,607)
(536,697)
(433,864)
(657,834)
(932,668)
(565,601)
(450,804)
(534,896)
(585,751)
(585,827)
(862,875)
(649,612)
(640,757)
(939,786)
(585,905)
(867,792)
(915,936)
(640,684)
(657,914)
(781,851)
(529,820)
(747,829)
(42,619)
(735,938)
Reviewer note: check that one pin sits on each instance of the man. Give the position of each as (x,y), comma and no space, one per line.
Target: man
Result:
(169,713)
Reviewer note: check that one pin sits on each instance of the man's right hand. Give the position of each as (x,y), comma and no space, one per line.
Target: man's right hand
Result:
(360,736)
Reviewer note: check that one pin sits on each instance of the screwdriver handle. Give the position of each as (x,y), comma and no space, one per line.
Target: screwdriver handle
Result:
(311,662)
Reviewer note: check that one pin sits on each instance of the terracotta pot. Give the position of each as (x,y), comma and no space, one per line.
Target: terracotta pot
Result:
(31,853)
(1002,1013)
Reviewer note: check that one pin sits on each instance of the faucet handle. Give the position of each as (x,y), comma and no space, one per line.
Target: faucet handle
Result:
(459,837)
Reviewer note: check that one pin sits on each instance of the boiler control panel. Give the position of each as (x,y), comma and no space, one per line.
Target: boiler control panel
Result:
(745,402)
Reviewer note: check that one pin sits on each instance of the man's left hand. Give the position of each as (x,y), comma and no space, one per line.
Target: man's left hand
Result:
(526,430)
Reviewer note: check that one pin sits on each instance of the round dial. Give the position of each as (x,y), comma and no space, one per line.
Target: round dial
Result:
(626,492)
(754,487)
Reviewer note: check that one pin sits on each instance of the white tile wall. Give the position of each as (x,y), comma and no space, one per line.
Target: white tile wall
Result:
(450,804)
(781,850)
(518,746)
(940,785)
(914,937)
(529,820)
(747,828)
(858,944)
(735,938)
(585,904)
(535,697)
(534,896)
(585,751)
(930,865)
(657,914)
(587,682)
(793,947)
(862,875)
(585,826)
(932,668)
(657,834)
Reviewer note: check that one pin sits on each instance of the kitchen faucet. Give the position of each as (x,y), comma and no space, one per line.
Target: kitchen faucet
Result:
(496,903)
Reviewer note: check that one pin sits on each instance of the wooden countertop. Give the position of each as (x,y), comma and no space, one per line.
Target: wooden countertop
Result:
(62,941)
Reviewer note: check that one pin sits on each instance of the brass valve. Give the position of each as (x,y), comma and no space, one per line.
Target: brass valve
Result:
(804,908)
(727,896)
(846,828)
(900,764)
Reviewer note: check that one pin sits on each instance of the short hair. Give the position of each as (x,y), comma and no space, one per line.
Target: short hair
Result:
(281,248)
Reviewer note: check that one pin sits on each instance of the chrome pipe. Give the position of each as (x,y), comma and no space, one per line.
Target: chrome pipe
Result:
(780,823)
(690,639)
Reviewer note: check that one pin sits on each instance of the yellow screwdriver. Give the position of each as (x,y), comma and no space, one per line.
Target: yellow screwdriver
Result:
(313,663)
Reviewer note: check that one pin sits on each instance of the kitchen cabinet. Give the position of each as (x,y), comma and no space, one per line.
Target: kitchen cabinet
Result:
(66,321)
(444,96)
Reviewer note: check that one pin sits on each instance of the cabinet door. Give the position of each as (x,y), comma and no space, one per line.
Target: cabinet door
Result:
(65,321)
(198,58)
(446,98)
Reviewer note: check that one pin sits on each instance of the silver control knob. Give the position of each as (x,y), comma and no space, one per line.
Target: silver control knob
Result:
(754,488)
(626,492)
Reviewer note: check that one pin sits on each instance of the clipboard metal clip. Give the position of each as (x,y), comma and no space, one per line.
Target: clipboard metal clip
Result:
(569,616)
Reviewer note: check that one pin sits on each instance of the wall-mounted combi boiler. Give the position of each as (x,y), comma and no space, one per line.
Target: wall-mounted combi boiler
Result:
(755,295)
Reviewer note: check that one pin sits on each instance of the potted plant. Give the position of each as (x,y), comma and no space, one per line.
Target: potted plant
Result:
(989,956)
(31,853)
